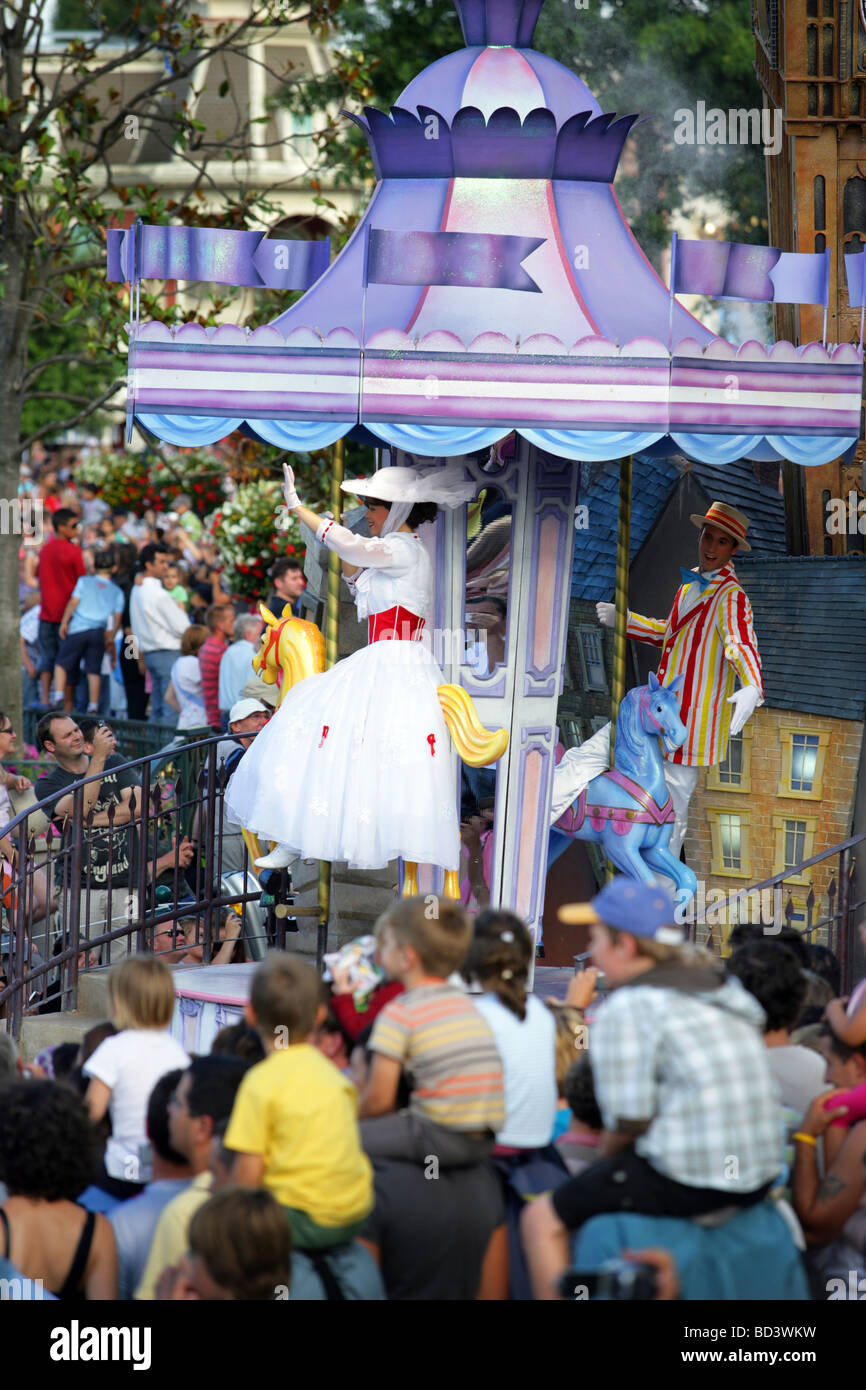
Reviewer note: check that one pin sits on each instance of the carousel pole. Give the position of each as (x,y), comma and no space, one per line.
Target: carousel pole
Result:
(332,635)
(621,597)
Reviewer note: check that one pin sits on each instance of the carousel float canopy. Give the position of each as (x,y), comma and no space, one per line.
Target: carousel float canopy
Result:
(440,332)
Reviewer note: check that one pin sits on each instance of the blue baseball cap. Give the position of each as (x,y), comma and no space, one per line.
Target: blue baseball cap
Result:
(640,908)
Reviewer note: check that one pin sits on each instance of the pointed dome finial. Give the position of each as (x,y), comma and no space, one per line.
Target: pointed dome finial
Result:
(495,23)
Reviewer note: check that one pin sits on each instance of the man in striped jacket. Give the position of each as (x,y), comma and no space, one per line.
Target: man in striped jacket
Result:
(708,637)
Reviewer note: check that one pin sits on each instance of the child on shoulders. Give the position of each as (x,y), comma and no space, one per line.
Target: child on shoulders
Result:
(294,1125)
(690,1108)
(434,1032)
(125,1068)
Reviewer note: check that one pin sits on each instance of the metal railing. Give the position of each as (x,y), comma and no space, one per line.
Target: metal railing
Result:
(83,892)
(832,916)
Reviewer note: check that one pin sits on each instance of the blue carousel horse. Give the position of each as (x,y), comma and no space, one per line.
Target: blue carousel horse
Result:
(628,809)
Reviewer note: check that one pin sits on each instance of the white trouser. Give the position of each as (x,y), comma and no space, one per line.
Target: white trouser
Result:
(681,782)
(580,765)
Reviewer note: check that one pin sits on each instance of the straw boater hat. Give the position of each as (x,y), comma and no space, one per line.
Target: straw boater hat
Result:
(726,519)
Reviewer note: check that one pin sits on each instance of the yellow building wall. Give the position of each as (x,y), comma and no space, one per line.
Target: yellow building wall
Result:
(763,807)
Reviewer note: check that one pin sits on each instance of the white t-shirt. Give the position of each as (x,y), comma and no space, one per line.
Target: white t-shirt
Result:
(528,1057)
(130,1064)
(186,679)
(6,812)
(800,1073)
(156,620)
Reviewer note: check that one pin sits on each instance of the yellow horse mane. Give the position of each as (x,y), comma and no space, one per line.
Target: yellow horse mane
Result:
(291,646)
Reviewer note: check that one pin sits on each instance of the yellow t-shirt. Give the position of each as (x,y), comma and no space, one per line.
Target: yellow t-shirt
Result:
(171,1237)
(300,1114)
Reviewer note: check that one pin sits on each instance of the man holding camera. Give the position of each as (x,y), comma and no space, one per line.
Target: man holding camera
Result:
(106,813)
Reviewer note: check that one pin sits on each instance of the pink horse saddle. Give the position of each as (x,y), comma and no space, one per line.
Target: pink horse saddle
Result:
(622,818)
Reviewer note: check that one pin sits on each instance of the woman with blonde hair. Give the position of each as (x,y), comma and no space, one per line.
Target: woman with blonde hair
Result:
(125,1068)
(184,692)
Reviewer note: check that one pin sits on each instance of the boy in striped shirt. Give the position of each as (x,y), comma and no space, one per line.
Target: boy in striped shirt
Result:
(434,1032)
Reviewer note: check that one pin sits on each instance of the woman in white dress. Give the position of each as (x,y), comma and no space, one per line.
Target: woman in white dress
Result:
(357,764)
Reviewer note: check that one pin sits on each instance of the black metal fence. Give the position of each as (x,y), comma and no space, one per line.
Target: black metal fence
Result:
(101,883)
(97,883)
(827,919)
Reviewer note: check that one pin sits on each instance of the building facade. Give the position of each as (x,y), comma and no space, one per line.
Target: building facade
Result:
(811,64)
(791,785)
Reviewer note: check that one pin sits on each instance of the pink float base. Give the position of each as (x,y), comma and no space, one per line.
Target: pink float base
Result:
(208,997)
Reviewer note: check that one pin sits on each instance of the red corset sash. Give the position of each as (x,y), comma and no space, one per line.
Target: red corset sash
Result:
(394,625)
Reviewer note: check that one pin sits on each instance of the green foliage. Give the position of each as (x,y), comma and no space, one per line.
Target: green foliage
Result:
(654,58)
(156,480)
(108,16)
(61,142)
(255,527)
(399,39)
(81,377)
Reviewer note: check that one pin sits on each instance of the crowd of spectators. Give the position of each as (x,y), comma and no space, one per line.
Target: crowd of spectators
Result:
(448,1134)
(440,1132)
(121,616)
(112,602)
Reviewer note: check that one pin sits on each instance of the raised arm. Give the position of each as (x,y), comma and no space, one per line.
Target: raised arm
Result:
(359,551)
(356,551)
(851,1031)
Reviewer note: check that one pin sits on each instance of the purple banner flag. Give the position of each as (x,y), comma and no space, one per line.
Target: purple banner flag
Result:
(211,253)
(759,274)
(700,267)
(119,247)
(855,264)
(801,277)
(468,259)
(748,272)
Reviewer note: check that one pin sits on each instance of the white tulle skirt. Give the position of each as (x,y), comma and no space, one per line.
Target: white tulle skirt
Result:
(356,765)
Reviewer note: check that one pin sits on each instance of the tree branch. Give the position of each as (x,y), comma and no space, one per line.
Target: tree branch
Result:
(57,426)
(145,48)
(57,396)
(39,367)
(77,268)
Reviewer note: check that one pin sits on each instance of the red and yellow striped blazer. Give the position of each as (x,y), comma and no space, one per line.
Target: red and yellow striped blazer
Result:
(711,644)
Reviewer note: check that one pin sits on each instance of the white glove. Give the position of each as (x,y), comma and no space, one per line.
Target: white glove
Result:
(745,702)
(292,498)
(606,613)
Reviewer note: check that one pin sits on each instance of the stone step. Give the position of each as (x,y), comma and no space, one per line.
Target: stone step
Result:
(93,994)
(46,1030)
